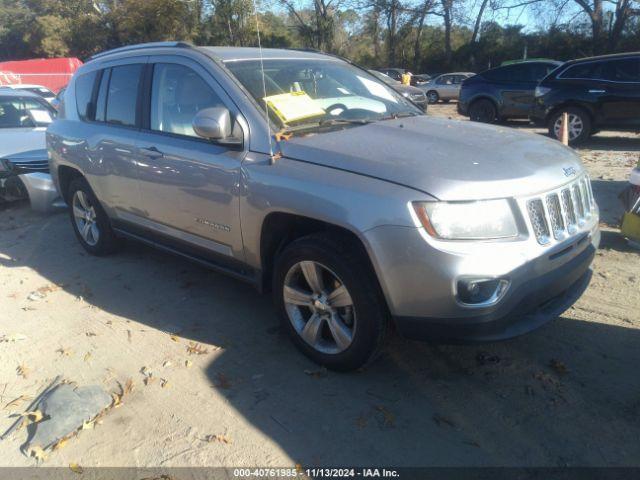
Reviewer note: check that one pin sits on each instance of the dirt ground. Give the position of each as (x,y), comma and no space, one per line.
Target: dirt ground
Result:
(224,386)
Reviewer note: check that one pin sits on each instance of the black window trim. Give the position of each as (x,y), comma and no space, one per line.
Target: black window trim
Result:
(560,75)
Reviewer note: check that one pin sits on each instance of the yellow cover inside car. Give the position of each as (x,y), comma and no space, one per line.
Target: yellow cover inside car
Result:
(293,106)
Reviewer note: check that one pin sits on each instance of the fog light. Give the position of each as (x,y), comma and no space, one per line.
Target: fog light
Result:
(481,291)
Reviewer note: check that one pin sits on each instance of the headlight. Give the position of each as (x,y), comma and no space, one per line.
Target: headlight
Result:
(541,91)
(467,220)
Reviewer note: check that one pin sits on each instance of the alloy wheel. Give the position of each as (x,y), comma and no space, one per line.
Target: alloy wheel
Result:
(576,126)
(85,217)
(319,307)
(432,97)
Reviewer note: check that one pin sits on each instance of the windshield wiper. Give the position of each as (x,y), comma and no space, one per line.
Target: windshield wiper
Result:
(344,121)
(395,116)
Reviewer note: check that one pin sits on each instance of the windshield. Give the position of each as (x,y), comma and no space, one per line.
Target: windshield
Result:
(24,112)
(303,92)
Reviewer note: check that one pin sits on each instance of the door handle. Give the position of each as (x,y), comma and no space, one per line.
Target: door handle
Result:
(152,152)
(597,90)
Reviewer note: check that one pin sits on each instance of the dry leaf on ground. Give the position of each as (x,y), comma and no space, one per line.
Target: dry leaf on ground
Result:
(222,381)
(75,468)
(218,439)
(388,418)
(196,348)
(558,366)
(319,373)
(23,370)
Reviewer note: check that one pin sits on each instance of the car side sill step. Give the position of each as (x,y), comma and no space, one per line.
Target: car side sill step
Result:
(248,277)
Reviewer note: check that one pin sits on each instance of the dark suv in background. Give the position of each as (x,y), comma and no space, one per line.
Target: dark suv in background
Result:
(596,93)
(503,92)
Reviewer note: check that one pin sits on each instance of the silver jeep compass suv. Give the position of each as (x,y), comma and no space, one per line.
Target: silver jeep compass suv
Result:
(305,175)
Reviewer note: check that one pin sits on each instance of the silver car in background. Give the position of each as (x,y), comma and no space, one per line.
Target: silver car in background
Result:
(24,163)
(445,87)
(306,176)
(414,94)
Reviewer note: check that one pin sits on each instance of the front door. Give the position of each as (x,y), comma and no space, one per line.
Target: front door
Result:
(189,185)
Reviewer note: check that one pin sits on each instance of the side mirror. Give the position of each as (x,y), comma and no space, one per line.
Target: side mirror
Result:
(212,123)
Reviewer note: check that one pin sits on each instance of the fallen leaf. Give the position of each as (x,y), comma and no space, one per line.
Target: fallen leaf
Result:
(196,348)
(60,444)
(129,335)
(75,468)
(33,417)
(90,334)
(319,373)
(388,418)
(87,425)
(361,422)
(164,383)
(37,452)
(23,371)
(167,363)
(558,366)
(218,439)
(65,352)
(128,387)
(17,401)
(116,400)
(149,380)
(87,356)
(188,363)
(175,338)
(222,381)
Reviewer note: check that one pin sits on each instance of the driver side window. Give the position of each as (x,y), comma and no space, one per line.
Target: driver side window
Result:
(177,94)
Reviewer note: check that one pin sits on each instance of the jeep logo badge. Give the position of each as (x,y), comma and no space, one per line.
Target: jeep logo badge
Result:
(569,171)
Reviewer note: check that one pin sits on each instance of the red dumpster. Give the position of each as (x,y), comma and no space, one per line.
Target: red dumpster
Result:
(53,73)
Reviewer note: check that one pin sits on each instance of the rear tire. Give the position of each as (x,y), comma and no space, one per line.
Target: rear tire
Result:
(432,96)
(89,220)
(579,125)
(483,111)
(342,331)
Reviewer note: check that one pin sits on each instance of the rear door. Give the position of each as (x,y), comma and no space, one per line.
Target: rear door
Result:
(619,93)
(189,184)
(108,104)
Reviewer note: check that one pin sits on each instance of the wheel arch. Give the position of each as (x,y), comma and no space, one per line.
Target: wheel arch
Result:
(571,104)
(66,175)
(279,229)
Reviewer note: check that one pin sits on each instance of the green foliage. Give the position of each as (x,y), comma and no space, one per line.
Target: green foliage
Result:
(366,32)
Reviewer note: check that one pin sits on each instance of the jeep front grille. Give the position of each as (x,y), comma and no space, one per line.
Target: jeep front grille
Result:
(558,214)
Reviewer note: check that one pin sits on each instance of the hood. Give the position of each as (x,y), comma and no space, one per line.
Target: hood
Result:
(25,143)
(448,159)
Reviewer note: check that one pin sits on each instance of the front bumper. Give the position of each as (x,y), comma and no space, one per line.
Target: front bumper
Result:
(43,195)
(541,300)
(418,276)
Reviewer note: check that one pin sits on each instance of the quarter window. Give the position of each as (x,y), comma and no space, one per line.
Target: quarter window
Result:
(122,95)
(623,70)
(177,94)
(84,94)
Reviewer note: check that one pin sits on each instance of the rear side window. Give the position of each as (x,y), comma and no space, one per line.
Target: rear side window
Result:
(84,94)
(537,71)
(623,70)
(587,71)
(498,74)
(122,95)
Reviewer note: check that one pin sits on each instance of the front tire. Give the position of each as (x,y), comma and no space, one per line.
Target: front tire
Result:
(432,96)
(89,220)
(483,111)
(330,301)
(579,125)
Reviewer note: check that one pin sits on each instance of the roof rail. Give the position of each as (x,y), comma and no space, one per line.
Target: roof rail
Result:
(141,46)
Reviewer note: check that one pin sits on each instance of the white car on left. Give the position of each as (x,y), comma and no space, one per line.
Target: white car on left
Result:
(44,92)
(24,163)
